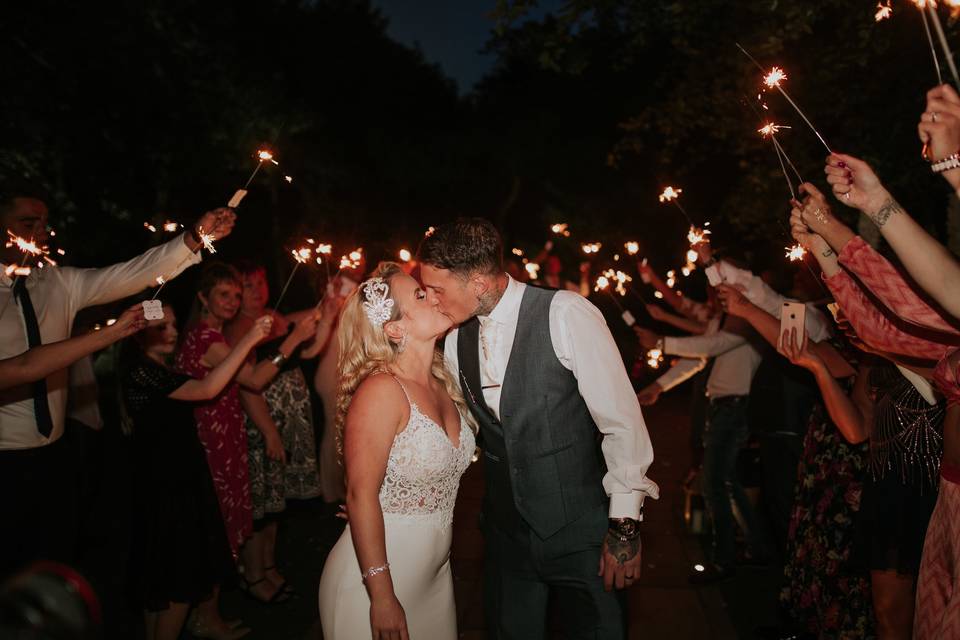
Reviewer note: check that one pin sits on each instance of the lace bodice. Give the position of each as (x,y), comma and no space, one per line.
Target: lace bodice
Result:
(424,469)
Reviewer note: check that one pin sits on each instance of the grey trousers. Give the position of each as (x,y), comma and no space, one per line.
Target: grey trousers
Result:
(521,570)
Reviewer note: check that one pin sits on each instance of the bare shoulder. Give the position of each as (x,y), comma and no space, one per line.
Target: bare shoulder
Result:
(379,397)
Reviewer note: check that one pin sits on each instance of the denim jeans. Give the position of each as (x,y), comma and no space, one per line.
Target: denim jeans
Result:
(726,433)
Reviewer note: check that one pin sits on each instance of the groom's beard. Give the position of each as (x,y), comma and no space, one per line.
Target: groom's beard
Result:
(487,301)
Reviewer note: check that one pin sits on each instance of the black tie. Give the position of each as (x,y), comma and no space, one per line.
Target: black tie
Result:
(40,407)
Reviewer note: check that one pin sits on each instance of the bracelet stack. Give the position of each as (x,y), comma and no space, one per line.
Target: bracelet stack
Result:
(372,571)
(946,164)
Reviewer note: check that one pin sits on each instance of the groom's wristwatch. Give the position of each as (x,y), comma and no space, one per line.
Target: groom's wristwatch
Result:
(625,528)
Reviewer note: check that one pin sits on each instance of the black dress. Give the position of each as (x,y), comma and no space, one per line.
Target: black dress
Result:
(180,550)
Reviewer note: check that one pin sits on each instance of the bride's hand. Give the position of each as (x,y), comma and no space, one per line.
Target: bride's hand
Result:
(387,619)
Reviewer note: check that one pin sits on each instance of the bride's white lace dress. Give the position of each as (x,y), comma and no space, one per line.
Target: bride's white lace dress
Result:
(417,497)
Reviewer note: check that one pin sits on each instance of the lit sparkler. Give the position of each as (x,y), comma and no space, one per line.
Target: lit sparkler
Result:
(774,79)
(533,269)
(654,358)
(884,11)
(692,256)
(517,252)
(771,129)
(633,248)
(795,252)
(671,278)
(207,240)
(149,227)
(673,195)
(591,247)
(561,229)
(170,227)
(697,236)
(300,255)
(429,232)
(405,255)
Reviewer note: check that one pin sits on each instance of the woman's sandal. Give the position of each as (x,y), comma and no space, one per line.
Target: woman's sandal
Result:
(285,586)
(279,596)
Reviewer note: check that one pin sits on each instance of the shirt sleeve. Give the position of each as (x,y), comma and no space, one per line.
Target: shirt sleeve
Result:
(705,346)
(873,326)
(885,282)
(680,372)
(584,345)
(90,287)
(762,295)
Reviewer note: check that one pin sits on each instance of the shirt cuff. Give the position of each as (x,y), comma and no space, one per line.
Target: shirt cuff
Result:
(626,505)
(188,257)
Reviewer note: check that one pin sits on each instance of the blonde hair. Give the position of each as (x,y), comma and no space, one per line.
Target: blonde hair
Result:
(366,349)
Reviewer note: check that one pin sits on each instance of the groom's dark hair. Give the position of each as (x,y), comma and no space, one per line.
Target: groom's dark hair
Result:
(467,246)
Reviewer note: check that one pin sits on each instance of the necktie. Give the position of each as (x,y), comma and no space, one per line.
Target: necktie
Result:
(488,342)
(40,407)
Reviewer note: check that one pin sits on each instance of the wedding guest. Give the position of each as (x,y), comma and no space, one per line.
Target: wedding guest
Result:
(180,551)
(39,309)
(279,424)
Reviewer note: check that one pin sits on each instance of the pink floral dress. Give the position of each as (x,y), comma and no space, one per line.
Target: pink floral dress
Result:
(221,430)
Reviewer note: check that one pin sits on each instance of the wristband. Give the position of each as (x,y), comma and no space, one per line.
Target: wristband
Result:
(946,164)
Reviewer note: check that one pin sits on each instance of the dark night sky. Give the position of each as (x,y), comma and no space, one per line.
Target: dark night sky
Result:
(451,33)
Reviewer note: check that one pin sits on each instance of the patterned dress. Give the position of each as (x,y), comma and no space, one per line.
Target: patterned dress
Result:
(824,593)
(221,431)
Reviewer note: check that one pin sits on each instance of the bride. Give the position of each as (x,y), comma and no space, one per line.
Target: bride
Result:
(405,444)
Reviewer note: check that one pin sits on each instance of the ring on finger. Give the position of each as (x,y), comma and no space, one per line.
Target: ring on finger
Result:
(933,116)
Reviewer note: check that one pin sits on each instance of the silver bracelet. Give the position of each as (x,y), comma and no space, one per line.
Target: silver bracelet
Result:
(948,163)
(372,571)
(278,359)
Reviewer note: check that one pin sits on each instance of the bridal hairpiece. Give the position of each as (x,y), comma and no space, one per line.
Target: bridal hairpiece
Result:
(378,305)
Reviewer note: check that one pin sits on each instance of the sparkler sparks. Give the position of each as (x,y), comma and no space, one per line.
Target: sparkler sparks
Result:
(669,194)
(302,254)
(771,129)
(429,232)
(775,77)
(692,256)
(405,255)
(26,246)
(654,358)
(697,236)
(884,11)
(289,179)
(620,278)
(591,247)
(633,248)
(149,227)
(517,252)
(169,226)
(207,240)
(560,228)
(602,284)
(161,281)
(533,269)
(795,252)
(352,260)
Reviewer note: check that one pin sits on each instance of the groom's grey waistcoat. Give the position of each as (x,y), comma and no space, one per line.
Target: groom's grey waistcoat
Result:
(542,459)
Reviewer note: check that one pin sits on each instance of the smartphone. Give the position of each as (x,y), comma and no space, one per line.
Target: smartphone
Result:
(713,275)
(793,316)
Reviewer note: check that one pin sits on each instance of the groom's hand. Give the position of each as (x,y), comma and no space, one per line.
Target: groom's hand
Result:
(619,560)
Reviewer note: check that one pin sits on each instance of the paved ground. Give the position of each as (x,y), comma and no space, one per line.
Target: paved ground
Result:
(661,604)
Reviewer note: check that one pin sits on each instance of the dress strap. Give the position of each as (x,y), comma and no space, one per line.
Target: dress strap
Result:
(397,380)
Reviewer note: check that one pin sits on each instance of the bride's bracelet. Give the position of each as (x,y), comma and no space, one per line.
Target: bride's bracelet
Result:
(372,571)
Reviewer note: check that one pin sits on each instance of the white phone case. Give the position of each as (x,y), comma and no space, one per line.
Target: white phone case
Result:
(794,316)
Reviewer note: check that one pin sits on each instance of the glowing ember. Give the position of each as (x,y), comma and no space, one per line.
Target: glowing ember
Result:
(770,129)
(592,247)
(654,358)
(351,261)
(658,295)
(603,283)
(161,281)
(170,226)
(620,278)
(61,252)
(796,252)
(884,11)
(405,255)
(695,236)
(325,249)
(17,270)
(923,4)
(111,322)
(302,254)
(429,232)
(632,247)
(686,270)
(265,155)
(775,77)
(517,252)
(533,269)
(560,228)
(207,240)
(149,227)
(670,194)
(26,246)
(289,179)
(356,254)
(692,255)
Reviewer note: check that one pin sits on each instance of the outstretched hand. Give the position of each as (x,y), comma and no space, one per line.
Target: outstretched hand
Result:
(854,183)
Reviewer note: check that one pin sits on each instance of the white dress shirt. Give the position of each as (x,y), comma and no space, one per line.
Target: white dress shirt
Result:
(736,360)
(57,295)
(583,344)
(759,293)
(685,368)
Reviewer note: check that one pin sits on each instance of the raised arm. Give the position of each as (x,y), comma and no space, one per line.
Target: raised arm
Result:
(39,362)
(226,368)
(927,261)
(684,324)
(376,415)
(91,287)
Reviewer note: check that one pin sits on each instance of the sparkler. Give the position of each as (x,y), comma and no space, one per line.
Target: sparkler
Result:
(350,261)
(947,53)
(921,4)
(560,228)
(672,195)
(517,252)
(149,227)
(773,79)
(603,284)
(591,247)
(300,256)
(533,269)
(633,248)
(620,278)
(170,226)
(263,155)
(206,242)
(654,358)
(405,255)
(795,252)
(884,11)
(697,236)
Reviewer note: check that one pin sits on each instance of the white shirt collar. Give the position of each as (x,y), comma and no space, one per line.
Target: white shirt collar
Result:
(509,304)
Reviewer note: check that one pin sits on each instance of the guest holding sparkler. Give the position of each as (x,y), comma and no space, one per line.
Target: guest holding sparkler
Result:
(180,549)
(36,309)
(280,435)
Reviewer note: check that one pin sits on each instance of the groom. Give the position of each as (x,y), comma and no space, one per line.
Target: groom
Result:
(543,379)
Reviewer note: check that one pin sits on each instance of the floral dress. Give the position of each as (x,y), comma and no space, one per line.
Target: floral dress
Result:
(221,431)
(825,593)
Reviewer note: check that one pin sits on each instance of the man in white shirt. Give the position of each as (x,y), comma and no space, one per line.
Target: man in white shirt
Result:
(543,378)
(36,309)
